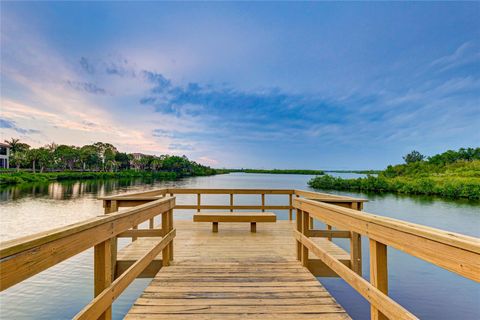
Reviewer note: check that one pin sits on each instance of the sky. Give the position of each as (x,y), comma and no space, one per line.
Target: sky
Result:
(317,85)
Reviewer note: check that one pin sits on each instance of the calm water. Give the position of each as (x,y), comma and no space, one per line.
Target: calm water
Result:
(60,292)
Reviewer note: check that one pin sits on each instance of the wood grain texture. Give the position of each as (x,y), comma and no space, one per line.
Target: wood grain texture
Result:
(455,252)
(31,255)
(235,217)
(234,275)
(378,273)
(377,298)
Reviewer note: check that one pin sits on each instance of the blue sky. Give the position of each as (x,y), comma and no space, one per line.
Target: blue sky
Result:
(264,85)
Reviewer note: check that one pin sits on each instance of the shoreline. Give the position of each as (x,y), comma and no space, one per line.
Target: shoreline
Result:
(447,187)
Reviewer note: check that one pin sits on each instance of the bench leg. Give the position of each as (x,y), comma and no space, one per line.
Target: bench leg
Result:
(253,227)
(215,227)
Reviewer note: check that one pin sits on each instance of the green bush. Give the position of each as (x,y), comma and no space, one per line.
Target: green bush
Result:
(25,177)
(447,186)
(454,174)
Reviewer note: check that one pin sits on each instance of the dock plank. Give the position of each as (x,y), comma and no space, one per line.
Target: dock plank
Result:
(234,274)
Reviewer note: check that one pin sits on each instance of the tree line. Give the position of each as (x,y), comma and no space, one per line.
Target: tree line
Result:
(97,157)
(454,174)
(416,164)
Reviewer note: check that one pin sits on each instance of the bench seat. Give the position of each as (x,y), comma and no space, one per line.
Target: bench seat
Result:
(252,217)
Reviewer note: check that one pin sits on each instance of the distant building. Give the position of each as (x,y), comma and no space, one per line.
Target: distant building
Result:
(138,156)
(4,156)
(135,161)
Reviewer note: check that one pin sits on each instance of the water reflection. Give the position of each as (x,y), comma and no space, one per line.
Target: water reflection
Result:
(65,190)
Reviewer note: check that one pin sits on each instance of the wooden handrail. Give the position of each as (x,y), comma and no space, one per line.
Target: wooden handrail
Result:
(134,199)
(150,194)
(452,251)
(447,237)
(383,302)
(24,257)
(326,197)
(238,207)
(104,300)
(227,191)
(16,246)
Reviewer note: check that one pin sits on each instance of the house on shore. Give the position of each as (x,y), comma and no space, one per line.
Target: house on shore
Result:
(4,156)
(135,159)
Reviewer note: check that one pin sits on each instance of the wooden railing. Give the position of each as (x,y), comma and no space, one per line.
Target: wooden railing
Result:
(342,217)
(24,257)
(133,199)
(454,252)
(112,203)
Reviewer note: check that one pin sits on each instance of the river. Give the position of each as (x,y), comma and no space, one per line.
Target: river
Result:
(60,292)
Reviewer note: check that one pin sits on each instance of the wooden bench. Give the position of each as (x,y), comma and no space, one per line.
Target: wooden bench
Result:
(252,217)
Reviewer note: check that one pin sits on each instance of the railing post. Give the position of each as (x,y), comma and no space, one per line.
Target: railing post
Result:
(298,217)
(378,273)
(111,206)
(170,219)
(356,246)
(305,229)
(231,202)
(167,226)
(290,202)
(263,202)
(199,201)
(329,228)
(134,228)
(102,268)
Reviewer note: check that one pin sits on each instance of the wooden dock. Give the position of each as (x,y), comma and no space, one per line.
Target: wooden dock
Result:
(262,272)
(234,274)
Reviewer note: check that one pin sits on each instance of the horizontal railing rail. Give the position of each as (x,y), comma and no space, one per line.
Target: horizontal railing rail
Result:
(24,257)
(111,203)
(134,199)
(232,192)
(103,301)
(452,251)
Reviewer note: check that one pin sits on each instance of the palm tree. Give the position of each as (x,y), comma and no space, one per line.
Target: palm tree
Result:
(33,155)
(156,163)
(18,152)
(14,144)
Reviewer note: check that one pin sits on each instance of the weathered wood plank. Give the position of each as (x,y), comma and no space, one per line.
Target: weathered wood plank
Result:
(454,252)
(235,217)
(378,274)
(234,207)
(37,253)
(229,275)
(103,301)
(382,302)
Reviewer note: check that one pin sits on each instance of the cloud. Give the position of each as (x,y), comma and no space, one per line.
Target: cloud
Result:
(161,83)
(261,104)
(9,124)
(87,66)
(119,67)
(274,115)
(86,86)
(207,161)
(467,53)
(180,147)
(162,133)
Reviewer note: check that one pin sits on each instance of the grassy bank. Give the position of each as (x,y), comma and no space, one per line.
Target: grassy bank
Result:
(27,177)
(454,178)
